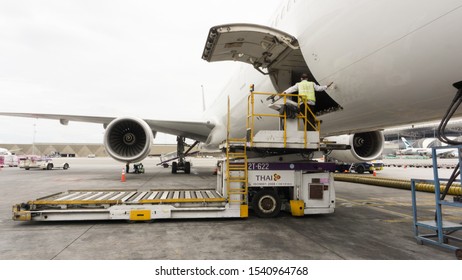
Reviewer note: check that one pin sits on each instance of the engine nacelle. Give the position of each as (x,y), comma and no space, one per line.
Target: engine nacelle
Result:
(128,139)
(365,146)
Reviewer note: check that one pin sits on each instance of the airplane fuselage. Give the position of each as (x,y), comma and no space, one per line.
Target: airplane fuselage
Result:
(392,63)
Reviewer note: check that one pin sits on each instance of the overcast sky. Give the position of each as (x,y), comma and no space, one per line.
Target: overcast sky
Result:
(110,58)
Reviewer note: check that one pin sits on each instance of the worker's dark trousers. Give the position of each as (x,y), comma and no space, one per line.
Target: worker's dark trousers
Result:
(309,116)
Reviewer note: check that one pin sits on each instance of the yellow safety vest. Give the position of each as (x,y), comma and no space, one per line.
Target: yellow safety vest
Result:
(306,91)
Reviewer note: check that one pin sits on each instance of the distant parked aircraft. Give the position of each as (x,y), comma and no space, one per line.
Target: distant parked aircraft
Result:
(426,151)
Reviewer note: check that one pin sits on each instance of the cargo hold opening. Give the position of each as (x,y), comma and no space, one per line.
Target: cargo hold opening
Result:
(287,70)
(271,52)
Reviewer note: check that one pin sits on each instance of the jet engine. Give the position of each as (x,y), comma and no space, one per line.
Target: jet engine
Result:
(128,139)
(365,146)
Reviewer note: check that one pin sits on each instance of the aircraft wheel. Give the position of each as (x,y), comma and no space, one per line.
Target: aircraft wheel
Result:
(459,254)
(174,167)
(187,167)
(266,203)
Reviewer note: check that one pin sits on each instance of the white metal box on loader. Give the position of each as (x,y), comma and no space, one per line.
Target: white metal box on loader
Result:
(300,188)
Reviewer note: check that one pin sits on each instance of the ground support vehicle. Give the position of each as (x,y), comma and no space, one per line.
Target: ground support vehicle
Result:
(299,188)
(359,167)
(38,162)
(267,183)
(138,168)
(9,160)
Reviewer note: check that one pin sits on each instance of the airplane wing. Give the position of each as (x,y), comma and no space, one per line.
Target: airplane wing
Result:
(194,130)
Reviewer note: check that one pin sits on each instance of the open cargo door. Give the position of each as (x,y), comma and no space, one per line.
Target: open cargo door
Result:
(254,44)
(272,52)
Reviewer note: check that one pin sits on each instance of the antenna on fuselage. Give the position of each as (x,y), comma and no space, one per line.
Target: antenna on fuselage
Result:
(203,99)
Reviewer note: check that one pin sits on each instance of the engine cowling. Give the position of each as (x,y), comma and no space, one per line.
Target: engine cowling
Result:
(365,146)
(128,139)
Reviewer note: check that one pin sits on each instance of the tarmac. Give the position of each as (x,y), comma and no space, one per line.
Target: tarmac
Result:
(369,223)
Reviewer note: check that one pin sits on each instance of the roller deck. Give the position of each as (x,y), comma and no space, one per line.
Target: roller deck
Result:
(112,197)
(125,205)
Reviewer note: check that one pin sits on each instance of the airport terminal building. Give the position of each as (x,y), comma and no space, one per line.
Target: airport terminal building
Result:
(75,150)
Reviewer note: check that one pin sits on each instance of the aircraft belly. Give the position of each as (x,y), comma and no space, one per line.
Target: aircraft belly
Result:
(408,79)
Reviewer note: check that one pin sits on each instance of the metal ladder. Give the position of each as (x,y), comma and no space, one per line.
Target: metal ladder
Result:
(236,171)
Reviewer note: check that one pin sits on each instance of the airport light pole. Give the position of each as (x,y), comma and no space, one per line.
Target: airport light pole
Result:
(33,138)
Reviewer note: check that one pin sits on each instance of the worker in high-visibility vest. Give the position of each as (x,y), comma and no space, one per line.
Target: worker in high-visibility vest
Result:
(306,91)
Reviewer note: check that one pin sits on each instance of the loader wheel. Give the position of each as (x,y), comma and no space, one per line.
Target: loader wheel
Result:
(266,203)
(174,167)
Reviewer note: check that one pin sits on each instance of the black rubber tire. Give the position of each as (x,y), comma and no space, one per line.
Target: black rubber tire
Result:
(458,253)
(174,167)
(65,166)
(49,166)
(359,169)
(266,203)
(187,167)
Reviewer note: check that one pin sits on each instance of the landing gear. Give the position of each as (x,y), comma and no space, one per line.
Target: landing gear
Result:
(182,164)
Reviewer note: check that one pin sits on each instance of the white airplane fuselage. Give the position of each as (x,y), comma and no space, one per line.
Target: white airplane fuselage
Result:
(392,62)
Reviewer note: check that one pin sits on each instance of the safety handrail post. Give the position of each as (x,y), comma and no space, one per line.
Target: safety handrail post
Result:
(252,100)
(285,123)
(305,121)
(303,115)
(247,123)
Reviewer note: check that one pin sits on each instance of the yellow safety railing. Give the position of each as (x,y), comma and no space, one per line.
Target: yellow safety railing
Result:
(302,116)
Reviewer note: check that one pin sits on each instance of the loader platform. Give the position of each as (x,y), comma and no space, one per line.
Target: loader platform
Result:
(107,204)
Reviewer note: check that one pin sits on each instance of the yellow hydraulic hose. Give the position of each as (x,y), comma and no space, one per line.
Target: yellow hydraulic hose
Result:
(455,189)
